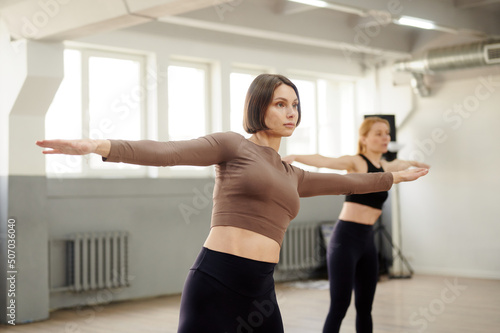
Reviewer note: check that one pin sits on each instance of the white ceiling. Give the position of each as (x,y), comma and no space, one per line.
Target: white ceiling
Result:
(361,28)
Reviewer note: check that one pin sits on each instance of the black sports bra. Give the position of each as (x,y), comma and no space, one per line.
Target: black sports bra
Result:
(375,199)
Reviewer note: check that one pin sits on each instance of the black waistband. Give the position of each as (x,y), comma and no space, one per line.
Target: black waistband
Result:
(359,228)
(246,276)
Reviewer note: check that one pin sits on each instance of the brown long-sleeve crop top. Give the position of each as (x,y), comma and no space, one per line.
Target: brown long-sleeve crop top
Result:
(254,188)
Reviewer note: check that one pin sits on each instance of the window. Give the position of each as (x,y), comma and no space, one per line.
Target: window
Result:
(239,81)
(64,117)
(305,139)
(188,107)
(336,118)
(102,96)
(348,131)
(327,125)
(187,101)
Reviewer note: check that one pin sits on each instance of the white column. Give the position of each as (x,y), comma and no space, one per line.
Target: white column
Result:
(31,74)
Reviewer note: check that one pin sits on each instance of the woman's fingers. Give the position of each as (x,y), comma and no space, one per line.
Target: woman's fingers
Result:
(417,173)
(52,151)
(55,146)
(409,175)
(423,165)
(68,147)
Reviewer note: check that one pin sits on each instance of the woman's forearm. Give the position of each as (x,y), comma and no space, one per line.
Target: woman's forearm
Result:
(314,184)
(312,160)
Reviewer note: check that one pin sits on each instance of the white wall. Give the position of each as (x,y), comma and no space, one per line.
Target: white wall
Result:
(450,221)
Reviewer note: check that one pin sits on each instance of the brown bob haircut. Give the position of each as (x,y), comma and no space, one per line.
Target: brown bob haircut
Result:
(259,96)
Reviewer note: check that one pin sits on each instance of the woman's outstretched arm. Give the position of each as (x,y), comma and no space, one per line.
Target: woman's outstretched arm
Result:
(345,162)
(398,165)
(203,151)
(314,184)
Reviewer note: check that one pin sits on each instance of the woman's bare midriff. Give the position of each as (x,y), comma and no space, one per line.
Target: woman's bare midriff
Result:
(243,243)
(355,212)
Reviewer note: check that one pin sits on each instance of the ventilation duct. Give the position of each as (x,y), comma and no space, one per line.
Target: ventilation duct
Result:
(478,54)
(419,86)
(455,57)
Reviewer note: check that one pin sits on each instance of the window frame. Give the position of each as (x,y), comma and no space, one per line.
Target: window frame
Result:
(331,80)
(242,69)
(187,171)
(314,79)
(85,54)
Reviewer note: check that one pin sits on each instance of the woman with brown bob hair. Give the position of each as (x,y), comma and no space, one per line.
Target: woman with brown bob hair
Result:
(230,287)
(351,255)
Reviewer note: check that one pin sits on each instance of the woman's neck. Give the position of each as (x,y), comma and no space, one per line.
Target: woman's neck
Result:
(264,139)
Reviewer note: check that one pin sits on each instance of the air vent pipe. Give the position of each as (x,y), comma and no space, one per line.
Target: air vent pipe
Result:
(454,57)
(479,54)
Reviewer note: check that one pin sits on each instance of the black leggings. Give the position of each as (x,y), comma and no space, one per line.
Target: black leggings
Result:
(225,293)
(352,264)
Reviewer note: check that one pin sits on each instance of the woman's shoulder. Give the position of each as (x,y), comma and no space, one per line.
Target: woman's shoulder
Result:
(227,137)
(229,142)
(359,164)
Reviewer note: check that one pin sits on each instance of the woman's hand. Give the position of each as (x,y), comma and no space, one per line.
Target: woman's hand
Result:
(76,147)
(420,165)
(397,165)
(409,175)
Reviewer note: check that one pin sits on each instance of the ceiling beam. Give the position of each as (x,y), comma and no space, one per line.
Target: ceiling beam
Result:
(285,7)
(346,48)
(464,4)
(158,8)
(329,27)
(443,13)
(60,20)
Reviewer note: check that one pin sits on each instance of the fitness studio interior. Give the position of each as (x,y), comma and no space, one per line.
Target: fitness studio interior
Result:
(88,246)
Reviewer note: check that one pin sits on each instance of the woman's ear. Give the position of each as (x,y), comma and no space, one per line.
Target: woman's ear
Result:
(362,139)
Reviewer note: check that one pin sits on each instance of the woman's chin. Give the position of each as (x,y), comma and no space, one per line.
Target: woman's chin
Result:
(288,132)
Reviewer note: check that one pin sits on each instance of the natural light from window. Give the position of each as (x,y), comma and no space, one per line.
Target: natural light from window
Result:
(303,140)
(115,100)
(187,106)
(64,117)
(186,102)
(240,82)
(327,125)
(100,97)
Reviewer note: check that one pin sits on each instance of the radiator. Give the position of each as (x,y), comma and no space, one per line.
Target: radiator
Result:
(97,261)
(302,248)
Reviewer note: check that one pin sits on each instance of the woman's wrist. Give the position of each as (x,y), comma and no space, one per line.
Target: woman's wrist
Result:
(102,147)
(396,177)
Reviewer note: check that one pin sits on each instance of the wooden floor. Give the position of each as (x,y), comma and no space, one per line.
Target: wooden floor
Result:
(420,304)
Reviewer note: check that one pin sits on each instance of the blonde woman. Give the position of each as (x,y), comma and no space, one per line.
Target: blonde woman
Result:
(351,255)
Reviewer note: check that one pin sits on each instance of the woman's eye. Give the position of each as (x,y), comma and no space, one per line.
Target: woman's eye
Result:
(281,105)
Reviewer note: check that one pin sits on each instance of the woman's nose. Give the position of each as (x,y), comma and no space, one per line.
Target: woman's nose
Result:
(291,113)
